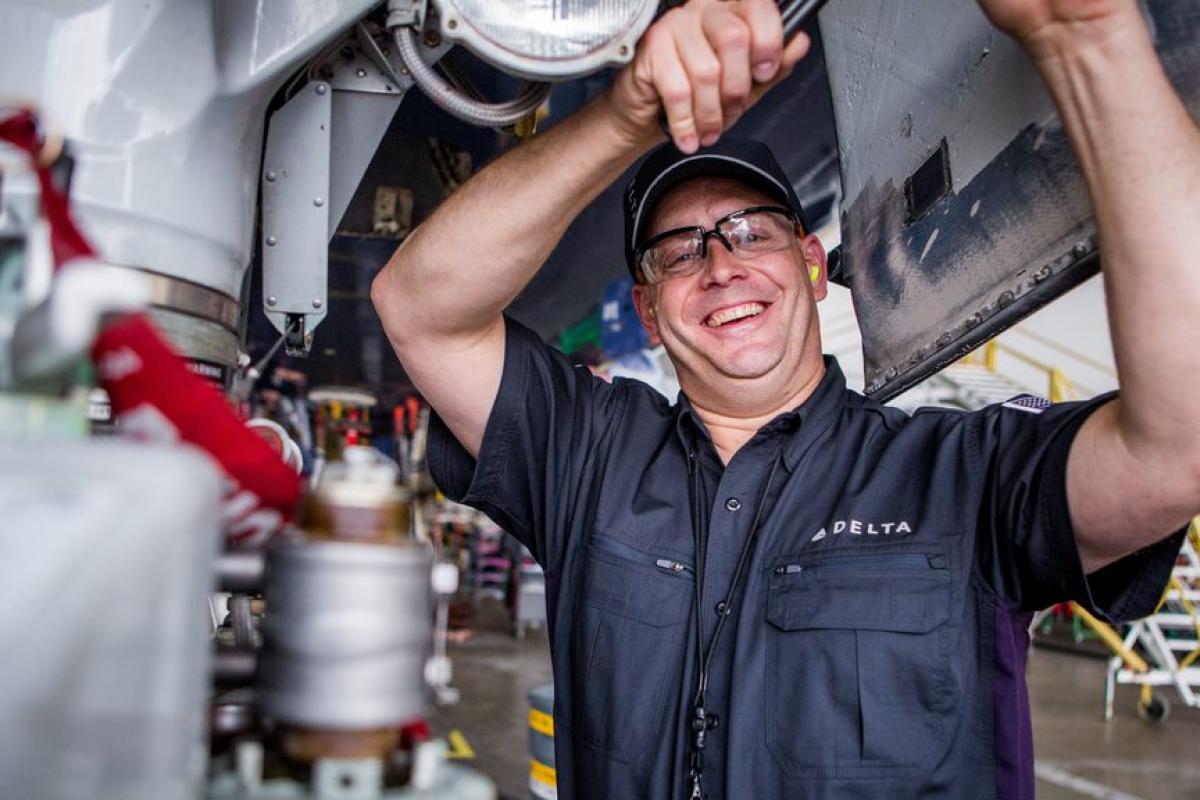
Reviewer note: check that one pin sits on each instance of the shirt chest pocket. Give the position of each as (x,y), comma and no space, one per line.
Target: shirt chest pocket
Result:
(858,662)
(627,647)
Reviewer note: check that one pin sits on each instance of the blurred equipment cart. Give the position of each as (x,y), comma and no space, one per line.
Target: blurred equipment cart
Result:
(530,611)
(1169,638)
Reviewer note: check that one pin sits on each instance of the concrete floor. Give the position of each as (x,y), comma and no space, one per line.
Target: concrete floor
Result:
(1127,756)
(494,671)
(1079,755)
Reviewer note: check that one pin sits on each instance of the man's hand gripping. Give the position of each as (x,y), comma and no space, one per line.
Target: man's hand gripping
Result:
(700,66)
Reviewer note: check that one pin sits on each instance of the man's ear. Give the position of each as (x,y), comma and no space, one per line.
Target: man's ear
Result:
(643,303)
(816,265)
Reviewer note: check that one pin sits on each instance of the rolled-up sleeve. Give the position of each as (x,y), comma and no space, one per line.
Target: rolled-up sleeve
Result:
(547,416)
(1027,550)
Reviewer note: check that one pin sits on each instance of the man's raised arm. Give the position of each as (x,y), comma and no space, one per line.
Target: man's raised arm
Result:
(442,294)
(1133,475)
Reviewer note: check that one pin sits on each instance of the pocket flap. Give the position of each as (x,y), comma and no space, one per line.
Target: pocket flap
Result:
(898,603)
(635,591)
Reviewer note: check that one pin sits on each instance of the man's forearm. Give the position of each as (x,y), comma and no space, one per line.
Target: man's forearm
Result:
(460,268)
(1140,152)
(441,295)
(1134,469)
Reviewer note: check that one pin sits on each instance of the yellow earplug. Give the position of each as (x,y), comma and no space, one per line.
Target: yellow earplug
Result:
(814,272)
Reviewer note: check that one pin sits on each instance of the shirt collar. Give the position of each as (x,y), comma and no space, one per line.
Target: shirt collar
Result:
(796,428)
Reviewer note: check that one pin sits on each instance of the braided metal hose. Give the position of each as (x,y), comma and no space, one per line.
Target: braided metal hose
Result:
(445,96)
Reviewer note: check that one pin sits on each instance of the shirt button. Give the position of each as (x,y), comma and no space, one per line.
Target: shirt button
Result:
(733,504)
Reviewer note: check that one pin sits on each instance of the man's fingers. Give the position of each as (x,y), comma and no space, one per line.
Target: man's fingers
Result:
(766,37)
(708,62)
(704,72)
(731,40)
(673,86)
(796,50)
(793,54)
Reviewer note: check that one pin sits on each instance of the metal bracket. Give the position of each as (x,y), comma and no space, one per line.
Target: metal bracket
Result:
(363,64)
(405,12)
(318,147)
(348,778)
(296,336)
(369,81)
(295,189)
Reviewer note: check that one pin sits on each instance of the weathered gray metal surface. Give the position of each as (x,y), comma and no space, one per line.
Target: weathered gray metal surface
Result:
(1014,229)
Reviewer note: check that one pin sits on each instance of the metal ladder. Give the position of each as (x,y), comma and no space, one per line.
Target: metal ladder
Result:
(1177,612)
(971,386)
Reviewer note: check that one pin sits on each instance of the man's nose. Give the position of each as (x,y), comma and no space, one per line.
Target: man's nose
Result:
(721,265)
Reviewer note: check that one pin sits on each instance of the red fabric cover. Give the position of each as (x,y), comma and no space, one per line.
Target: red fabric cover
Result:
(413,733)
(66,241)
(156,397)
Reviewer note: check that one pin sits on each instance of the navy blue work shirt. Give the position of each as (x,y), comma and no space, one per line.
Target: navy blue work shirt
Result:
(878,648)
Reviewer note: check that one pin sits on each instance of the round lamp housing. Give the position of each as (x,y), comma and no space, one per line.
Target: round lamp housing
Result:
(548,40)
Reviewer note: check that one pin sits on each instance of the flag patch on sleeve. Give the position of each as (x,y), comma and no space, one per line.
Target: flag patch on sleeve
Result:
(1029,403)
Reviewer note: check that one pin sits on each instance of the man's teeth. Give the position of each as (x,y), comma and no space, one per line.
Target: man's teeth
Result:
(727,315)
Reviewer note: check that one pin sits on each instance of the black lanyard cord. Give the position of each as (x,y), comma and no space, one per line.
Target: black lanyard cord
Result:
(698,540)
(701,720)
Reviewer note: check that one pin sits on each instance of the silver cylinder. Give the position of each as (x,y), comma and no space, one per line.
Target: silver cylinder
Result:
(346,634)
(240,571)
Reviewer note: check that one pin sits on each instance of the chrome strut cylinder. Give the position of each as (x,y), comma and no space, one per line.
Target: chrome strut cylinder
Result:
(346,635)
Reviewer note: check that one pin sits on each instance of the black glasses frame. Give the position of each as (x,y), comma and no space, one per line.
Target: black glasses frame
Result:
(704,233)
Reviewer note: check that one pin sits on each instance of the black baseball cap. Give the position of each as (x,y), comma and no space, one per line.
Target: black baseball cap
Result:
(666,167)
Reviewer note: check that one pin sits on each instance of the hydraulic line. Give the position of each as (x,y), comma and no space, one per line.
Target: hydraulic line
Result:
(797,14)
(442,93)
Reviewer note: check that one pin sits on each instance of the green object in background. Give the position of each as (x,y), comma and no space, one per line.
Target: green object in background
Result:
(1080,631)
(26,417)
(581,334)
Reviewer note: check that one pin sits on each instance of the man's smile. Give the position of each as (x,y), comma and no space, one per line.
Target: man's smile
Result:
(730,315)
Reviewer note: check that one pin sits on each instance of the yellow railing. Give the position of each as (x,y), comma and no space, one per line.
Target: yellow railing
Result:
(1182,588)
(1060,387)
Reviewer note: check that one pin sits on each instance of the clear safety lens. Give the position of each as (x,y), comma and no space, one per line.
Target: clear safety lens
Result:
(678,254)
(748,234)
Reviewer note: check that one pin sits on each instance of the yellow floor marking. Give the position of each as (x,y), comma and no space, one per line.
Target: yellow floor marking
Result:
(459,748)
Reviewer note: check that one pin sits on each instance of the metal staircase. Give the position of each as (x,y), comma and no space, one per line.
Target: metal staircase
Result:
(978,380)
(970,386)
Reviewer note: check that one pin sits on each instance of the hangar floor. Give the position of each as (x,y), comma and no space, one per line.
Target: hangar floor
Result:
(1078,755)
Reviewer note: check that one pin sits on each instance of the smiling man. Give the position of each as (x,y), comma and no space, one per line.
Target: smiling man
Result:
(726,279)
(776,588)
